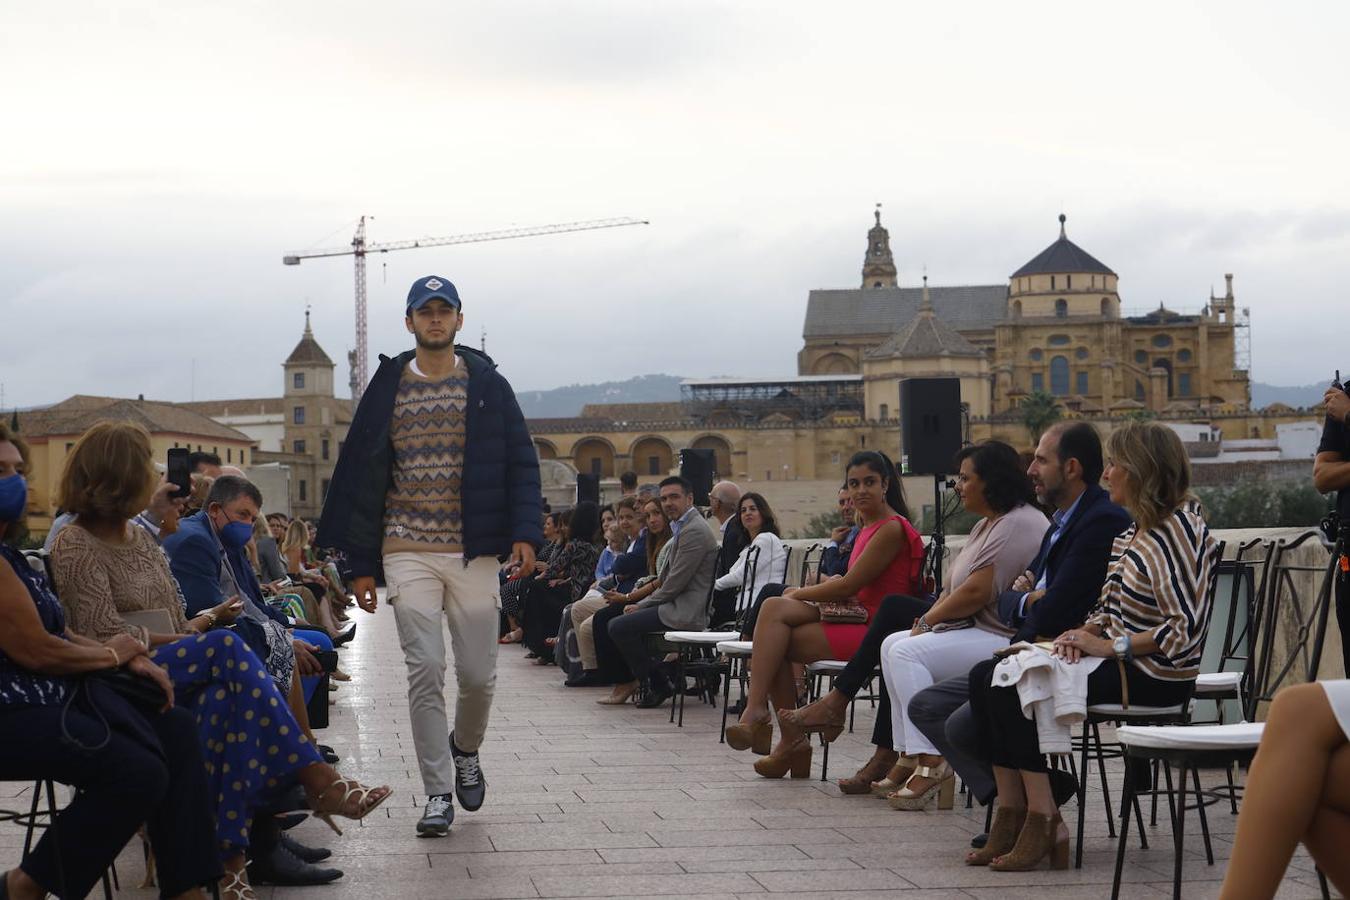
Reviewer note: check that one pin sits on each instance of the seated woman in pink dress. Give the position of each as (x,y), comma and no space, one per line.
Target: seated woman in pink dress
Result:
(790,629)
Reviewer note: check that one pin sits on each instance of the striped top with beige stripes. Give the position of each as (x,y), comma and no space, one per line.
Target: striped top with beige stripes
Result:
(1159,583)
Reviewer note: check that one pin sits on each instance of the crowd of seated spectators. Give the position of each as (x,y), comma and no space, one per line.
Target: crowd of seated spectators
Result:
(163,673)
(1103,589)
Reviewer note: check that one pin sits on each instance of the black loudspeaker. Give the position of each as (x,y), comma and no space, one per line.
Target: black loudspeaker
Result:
(588,488)
(697,467)
(930,425)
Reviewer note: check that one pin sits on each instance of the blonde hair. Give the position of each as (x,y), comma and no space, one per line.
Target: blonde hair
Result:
(109,475)
(297,536)
(1157,469)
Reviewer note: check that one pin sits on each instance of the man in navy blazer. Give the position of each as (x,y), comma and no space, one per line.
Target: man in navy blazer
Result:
(1054,595)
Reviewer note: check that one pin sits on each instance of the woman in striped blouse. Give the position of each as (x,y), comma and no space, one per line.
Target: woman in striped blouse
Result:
(1145,637)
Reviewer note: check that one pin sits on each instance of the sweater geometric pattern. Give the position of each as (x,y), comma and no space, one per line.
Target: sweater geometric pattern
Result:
(422,509)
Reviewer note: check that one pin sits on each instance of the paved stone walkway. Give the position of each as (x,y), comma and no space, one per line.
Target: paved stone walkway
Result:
(592,801)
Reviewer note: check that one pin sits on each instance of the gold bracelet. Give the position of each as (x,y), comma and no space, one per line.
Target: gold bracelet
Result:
(117,663)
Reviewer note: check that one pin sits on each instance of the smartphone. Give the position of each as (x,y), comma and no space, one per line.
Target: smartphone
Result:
(179,473)
(1336,382)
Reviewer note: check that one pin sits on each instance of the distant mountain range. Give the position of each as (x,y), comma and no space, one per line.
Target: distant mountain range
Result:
(1298,397)
(567,401)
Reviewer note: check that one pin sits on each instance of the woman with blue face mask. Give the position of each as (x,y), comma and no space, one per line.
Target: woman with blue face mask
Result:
(105,569)
(130,764)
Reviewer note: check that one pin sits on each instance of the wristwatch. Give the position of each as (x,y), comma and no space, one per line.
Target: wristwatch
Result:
(1122,648)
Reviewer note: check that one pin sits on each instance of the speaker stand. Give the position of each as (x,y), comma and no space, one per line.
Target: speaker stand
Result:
(939,542)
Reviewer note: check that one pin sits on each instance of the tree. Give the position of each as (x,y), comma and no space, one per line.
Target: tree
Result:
(1039,411)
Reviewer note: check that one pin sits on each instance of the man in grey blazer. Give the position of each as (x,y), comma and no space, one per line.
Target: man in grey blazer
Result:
(681,602)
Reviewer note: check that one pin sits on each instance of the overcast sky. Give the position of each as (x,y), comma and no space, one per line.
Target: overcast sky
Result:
(158,159)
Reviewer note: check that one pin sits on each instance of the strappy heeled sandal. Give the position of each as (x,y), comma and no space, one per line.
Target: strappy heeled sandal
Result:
(828,731)
(942,786)
(897,776)
(235,886)
(325,810)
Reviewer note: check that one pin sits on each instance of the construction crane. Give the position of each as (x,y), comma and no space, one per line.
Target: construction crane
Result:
(359,248)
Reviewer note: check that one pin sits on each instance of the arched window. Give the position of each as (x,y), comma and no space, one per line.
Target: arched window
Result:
(1059,375)
(1107,306)
(1061,308)
(1017,309)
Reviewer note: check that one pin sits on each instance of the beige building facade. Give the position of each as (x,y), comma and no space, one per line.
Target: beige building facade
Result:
(1057,325)
(302,431)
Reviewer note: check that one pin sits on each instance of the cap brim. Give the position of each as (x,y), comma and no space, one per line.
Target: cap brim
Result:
(423,301)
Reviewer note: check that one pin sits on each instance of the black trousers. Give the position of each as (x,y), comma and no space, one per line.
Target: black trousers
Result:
(541,609)
(896,613)
(1009,739)
(629,634)
(126,782)
(610,663)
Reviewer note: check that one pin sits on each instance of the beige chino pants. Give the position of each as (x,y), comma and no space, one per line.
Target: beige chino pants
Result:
(583,612)
(423,588)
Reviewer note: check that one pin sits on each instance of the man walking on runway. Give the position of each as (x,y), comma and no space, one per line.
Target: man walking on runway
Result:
(439,478)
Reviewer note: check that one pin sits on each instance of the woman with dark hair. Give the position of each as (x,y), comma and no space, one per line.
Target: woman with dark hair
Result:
(770,566)
(569,573)
(513,589)
(803,626)
(962,627)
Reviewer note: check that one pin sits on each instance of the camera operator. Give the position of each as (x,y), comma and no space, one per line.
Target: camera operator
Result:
(1331,472)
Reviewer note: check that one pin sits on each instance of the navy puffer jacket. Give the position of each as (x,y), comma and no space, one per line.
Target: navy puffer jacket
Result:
(501,501)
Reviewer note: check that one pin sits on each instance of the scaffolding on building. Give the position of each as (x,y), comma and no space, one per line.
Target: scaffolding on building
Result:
(804,397)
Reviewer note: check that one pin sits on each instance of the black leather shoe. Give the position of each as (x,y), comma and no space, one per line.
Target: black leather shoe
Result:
(656,695)
(589,678)
(345,636)
(329,754)
(1141,774)
(310,855)
(979,840)
(289,821)
(470,783)
(283,867)
(1063,786)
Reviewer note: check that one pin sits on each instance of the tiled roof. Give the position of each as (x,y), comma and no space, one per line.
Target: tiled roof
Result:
(926,336)
(883,311)
(1063,256)
(308,351)
(79,413)
(244,406)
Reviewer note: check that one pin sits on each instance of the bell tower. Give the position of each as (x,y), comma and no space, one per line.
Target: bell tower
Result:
(878,265)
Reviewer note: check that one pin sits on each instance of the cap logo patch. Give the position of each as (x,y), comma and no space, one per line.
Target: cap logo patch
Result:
(434,284)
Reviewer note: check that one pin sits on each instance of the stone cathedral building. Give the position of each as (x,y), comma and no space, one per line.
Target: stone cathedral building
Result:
(1057,324)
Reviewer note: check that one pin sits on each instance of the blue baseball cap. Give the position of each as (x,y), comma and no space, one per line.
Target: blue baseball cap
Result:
(432,287)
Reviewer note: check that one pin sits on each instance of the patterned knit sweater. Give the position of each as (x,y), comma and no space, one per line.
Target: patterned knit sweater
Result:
(422,509)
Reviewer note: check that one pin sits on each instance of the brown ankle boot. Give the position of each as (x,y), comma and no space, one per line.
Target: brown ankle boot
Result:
(873,770)
(1002,836)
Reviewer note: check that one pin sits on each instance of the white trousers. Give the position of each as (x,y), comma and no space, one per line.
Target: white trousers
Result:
(423,589)
(911,663)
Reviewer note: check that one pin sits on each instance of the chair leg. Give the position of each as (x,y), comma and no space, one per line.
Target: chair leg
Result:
(1322,882)
(1179,834)
(1204,817)
(55,835)
(1139,817)
(1082,800)
(1232,788)
(678,699)
(32,818)
(726,700)
(1126,804)
(1153,816)
(1101,770)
